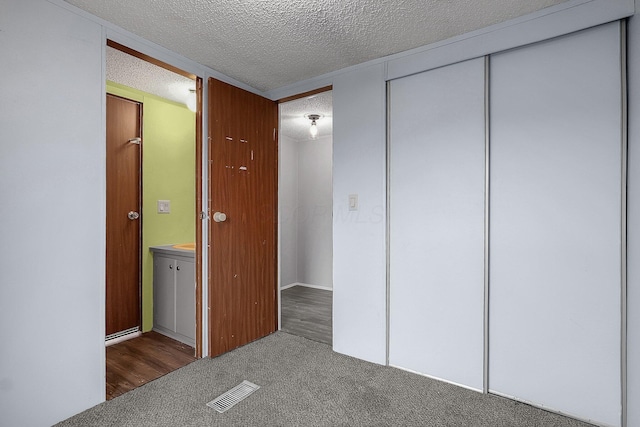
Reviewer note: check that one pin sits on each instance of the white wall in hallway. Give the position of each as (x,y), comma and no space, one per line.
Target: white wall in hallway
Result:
(306,212)
(288,207)
(315,201)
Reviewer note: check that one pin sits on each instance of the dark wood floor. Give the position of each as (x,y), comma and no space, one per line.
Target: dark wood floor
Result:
(137,361)
(306,312)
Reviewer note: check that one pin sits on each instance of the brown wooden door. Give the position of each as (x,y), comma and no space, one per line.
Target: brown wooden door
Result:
(243,185)
(123,215)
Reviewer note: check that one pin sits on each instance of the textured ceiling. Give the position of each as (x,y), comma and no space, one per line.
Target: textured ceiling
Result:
(133,72)
(293,121)
(270,44)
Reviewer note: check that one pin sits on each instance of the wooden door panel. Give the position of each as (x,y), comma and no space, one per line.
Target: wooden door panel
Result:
(243,176)
(123,234)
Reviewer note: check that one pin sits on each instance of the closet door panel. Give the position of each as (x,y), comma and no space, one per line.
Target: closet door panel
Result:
(437,158)
(555,220)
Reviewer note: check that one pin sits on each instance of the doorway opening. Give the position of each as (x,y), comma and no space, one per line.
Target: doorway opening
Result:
(305,201)
(170,143)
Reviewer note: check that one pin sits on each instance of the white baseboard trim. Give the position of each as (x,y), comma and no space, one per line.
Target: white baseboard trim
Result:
(306,285)
(122,338)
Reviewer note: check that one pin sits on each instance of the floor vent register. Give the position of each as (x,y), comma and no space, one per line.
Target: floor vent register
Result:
(237,394)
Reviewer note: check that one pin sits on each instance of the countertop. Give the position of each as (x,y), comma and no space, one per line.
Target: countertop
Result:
(170,250)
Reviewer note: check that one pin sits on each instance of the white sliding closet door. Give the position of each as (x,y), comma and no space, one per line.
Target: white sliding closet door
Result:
(555,224)
(437,182)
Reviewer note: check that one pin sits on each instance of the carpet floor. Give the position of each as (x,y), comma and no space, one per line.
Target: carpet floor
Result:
(304,383)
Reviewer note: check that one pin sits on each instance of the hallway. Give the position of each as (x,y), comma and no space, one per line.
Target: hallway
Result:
(306,312)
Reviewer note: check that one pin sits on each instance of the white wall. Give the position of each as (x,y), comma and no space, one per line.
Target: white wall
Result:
(315,215)
(52,182)
(359,246)
(306,212)
(633,235)
(288,209)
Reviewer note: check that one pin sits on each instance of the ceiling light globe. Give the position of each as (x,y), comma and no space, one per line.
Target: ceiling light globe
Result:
(191,100)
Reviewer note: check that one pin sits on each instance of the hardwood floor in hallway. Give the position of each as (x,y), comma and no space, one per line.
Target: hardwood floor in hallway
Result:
(140,360)
(307,312)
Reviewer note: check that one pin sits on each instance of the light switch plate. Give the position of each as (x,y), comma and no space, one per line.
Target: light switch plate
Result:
(353,202)
(164,206)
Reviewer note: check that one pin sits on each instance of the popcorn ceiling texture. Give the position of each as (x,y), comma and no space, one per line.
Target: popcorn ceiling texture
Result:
(270,44)
(136,73)
(130,71)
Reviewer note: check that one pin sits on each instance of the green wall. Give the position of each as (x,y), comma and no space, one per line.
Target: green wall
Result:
(168,173)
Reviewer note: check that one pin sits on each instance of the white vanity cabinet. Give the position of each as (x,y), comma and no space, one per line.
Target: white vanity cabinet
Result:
(174,302)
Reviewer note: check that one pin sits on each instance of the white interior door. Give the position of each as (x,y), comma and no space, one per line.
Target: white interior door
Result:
(436,214)
(555,222)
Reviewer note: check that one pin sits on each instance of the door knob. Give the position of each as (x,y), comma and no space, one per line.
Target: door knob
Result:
(219,217)
(133,215)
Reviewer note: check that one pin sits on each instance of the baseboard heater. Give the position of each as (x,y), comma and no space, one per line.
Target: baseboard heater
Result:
(117,337)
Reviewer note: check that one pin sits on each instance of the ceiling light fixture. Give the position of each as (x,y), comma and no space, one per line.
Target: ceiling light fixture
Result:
(314,126)
(191,100)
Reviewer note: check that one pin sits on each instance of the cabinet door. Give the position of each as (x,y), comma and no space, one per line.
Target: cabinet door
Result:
(185,299)
(164,292)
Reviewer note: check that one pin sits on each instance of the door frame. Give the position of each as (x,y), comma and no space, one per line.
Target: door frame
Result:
(200,249)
